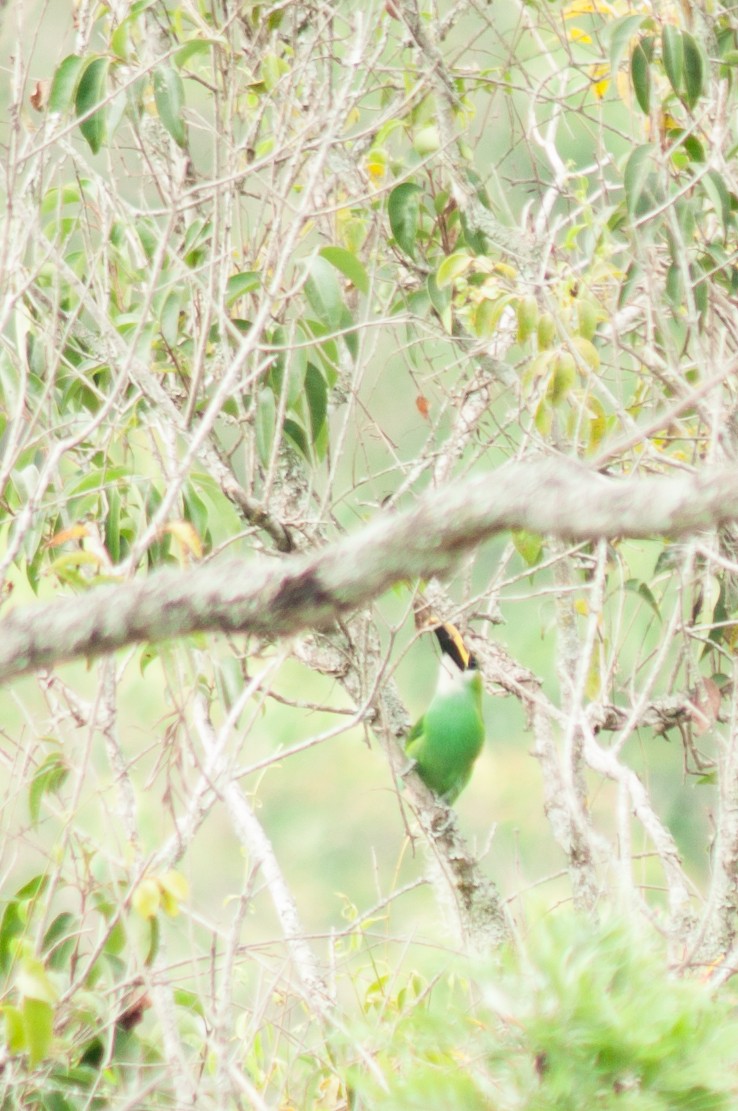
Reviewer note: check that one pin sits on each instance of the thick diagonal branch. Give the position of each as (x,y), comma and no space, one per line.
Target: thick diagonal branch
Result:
(276,598)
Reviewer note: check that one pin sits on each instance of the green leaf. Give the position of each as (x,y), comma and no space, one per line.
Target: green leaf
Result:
(170,99)
(529,545)
(451,268)
(239,284)
(694,70)
(635,586)
(195,510)
(169,316)
(486,315)
(717,191)
(189,1000)
(316,392)
(293,359)
(90,93)
(638,170)
(350,334)
(640,72)
(64,83)
(15,1032)
(672,53)
(296,433)
(196,239)
(440,299)
(699,288)
(403,209)
(191,49)
(38,1020)
(12,925)
(325,347)
(60,940)
(620,32)
(689,143)
(32,889)
(349,265)
(324,293)
(266,423)
(112,524)
(49,778)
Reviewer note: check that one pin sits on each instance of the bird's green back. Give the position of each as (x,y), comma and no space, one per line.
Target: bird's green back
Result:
(449,737)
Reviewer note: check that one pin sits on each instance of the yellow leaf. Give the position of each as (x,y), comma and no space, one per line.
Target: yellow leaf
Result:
(33,982)
(505,270)
(376,163)
(146,898)
(74,532)
(585,353)
(174,890)
(576,34)
(187,536)
(600,77)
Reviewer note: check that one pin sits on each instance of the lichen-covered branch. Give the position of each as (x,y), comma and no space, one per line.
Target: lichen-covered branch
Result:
(275,599)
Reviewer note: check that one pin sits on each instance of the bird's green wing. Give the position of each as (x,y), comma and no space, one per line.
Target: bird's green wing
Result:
(449,737)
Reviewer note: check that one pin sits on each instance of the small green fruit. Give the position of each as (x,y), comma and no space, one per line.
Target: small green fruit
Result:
(546,331)
(563,376)
(527,317)
(427,140)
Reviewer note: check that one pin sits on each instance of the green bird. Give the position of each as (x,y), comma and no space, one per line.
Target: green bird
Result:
(446,741)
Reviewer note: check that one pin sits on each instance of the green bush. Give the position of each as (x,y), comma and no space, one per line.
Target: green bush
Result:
(582,1017)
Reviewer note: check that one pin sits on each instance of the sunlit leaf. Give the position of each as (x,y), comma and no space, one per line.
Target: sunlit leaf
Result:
(15,1031)
(452,267)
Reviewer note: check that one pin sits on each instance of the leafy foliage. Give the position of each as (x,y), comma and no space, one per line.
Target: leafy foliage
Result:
(270,270)
(586,1017)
